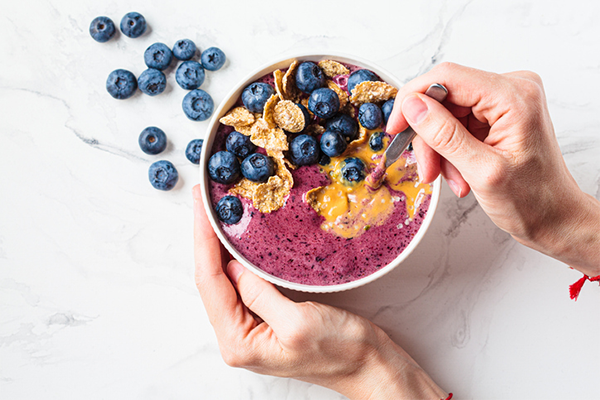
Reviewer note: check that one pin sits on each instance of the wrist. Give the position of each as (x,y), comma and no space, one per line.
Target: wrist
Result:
(574,238)
(390,373)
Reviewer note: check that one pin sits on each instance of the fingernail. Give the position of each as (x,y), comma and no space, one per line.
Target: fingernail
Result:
(455,188)
(414,110)
(235,270)
(419,172)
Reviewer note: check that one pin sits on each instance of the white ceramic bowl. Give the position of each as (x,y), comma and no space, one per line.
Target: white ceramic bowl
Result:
(229,101)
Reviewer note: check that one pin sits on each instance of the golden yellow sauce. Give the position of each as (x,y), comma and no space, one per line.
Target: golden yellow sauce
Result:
(350,211)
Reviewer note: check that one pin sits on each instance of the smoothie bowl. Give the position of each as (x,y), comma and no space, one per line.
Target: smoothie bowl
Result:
(284,168)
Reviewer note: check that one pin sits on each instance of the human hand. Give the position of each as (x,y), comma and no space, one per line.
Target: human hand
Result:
(261,330)
(494,135)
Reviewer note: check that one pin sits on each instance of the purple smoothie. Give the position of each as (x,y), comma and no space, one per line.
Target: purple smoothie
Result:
(290,244)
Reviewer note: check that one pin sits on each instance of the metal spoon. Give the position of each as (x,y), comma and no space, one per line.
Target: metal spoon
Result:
(402,140)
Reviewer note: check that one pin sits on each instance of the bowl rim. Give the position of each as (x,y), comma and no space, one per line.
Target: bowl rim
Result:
(229,100)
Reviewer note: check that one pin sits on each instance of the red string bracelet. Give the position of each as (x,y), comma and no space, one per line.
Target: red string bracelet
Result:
(575,288)
(448,398)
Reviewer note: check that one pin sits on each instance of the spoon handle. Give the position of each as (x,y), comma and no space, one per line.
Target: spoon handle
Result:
(402,140)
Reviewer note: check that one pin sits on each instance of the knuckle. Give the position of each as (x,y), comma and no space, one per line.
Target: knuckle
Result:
(445,67)
(447,138)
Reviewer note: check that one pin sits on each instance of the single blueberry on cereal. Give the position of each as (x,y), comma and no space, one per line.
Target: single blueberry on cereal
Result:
(309,76)
(163,175)
(324,103)
(258,167)
(353,170)
(332,143)
(224,167)
(212,58)
(229,210)
(376,141)
(386,109)
(193,150)
(370,116)
(152,140)
(304,150)
(184,49)
(359,76)
(189,75)
(256,95)
(102,29)
(121,84)
(158,56)
(345,125)
(152,82)
(133,25)
(239,144)
(198,105)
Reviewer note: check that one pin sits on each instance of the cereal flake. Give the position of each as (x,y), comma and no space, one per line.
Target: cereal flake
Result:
(342,95)
(372,92)
(270,109)
(245,188)
(268,138)
(333,68)
(238,116)
(289,116)
(290,91)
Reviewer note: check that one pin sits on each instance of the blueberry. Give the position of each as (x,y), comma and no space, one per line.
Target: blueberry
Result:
(257,167)
(121,84)
(158,56)
(152,140)
(376,141)
(212,58)
(184,49)
(304,150)
(229,210)
(324,159)
(353,170)
(386,109)
(193,150)
(333,144)
(102,29)
(370,116)
(133,25)
(152,82)
(224,167)
(163,175)
(239,144)
(190,75)
(359,76)
(256,95)
(198,105)
(345,125)
(324,103)
(309,77)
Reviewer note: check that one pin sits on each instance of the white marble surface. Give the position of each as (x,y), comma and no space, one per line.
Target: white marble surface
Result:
(97,299)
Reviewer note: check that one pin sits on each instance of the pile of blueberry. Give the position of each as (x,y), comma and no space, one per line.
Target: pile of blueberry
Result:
(197,105)
(225,166)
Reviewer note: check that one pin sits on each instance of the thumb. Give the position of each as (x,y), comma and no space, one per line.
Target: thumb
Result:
(262,298)
(444,133)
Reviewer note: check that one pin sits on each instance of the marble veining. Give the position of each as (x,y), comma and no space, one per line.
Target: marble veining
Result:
(97,297)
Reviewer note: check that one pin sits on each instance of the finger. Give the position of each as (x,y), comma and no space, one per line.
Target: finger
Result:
(428,161)
(445,134)
(467,87)
(260,296)
(218,294)
(454,179)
